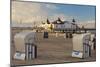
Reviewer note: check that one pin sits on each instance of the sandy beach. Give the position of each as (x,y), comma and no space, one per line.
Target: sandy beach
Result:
(52,50)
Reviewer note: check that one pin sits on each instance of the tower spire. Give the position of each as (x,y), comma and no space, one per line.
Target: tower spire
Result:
(73,20)
(48,22)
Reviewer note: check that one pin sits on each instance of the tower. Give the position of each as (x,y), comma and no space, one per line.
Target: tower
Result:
(48,22)
(73,20)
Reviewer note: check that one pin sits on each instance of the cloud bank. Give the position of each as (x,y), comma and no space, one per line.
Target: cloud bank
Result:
(28,12)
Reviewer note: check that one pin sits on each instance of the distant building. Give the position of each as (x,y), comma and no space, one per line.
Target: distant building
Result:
(59,25)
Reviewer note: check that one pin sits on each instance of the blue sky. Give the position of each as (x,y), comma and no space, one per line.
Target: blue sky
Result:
(30,11)
(83,13)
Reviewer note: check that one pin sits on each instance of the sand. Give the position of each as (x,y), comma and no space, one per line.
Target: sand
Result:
(52,50)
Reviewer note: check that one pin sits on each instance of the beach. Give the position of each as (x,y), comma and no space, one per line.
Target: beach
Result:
(52,50)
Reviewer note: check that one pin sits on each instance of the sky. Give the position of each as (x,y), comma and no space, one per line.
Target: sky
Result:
(28,12)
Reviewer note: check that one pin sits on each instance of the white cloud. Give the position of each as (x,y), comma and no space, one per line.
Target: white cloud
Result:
(51,6)
(34,12)
(38,12)
(87,24)
(27,11)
